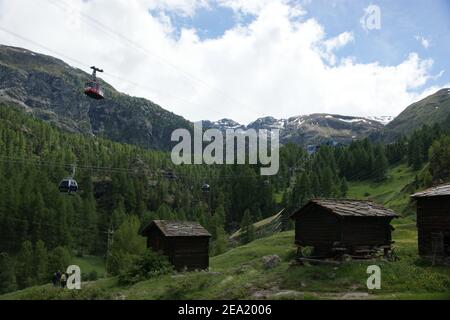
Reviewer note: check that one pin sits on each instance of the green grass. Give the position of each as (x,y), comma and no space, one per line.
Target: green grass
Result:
(392,192)
(89,264)
(239,274)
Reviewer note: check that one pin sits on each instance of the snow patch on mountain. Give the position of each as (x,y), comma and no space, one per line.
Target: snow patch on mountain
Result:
(382,119)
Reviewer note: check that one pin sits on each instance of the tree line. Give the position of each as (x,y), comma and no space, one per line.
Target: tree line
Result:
(124,187)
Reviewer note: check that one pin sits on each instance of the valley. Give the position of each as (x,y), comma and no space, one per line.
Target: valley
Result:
(127,179)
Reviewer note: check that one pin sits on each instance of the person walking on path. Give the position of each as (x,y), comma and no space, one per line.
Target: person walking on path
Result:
(63,280)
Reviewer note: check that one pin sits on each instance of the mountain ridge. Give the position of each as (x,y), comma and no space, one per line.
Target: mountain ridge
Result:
(433,109)
(308,129)
(52,90)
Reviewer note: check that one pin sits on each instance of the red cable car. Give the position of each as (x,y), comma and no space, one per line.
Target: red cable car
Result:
(93,89)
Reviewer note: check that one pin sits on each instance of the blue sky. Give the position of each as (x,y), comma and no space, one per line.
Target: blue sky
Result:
(404,23)
(277,63)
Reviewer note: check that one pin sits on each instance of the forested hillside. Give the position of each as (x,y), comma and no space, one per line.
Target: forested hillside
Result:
(117,182)
(434,109)
(123,187)
(52,90)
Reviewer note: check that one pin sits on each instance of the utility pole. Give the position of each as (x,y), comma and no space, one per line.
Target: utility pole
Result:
(110,234)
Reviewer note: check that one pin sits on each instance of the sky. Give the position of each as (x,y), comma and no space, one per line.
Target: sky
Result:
(245,59)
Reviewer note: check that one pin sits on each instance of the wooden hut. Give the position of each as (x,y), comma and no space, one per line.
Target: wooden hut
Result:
(185,243)
(336,227)
(433,221)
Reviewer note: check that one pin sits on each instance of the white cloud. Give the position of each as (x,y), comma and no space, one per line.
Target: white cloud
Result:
(277,65)
(423,41)
(334,44)
(255,7)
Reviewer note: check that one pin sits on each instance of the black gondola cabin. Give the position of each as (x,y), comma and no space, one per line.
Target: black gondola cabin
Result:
(186,244)
(339,226)
(433,221)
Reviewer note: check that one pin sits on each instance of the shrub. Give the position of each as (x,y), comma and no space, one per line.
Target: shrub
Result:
(146,266)
(92,276)
(7,276)
(50,293)
(128,245)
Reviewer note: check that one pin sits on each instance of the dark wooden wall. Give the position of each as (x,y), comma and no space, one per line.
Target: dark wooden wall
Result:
(366,231)
(189,252)
(433,216)
(317,226)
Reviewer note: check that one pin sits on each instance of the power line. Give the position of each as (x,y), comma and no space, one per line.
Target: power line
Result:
(43,47)
(79,63)
(104,28)
(153,175)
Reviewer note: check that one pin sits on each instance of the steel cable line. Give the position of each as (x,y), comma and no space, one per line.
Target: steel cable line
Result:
(79,63)
(34,222)
(36,162)
(43,47)
(104,28)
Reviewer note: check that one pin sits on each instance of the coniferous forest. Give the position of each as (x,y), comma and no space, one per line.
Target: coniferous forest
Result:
(124,187)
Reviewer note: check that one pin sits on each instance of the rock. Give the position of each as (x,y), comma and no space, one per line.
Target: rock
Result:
(288,294)
(262,294)
(119,296)
(355,296)
(271,261)
(276,294)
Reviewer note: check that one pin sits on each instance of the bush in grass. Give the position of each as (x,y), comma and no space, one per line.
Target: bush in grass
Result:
(183,288)
(127,245)
(146,266)
(92,276)
(50,293)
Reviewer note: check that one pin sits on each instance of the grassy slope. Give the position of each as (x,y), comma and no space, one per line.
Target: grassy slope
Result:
(258,225)
(239,274)
(90,264)
(392,192)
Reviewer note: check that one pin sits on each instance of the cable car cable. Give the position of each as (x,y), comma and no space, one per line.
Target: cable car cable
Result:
(86,66)
(123,37)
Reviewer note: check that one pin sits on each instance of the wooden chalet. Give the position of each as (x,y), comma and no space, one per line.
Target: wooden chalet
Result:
(334,227)
(433,221)
(185,243)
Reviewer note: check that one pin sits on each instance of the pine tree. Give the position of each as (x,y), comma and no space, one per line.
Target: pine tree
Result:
(26,275)
(59,259)
(126,246)
(7,275)
(220,243)
(344,187)
(380,164)
(247,228)
(41,262)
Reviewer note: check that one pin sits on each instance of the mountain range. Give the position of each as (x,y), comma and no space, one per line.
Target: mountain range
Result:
(52,90)
(309,129)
